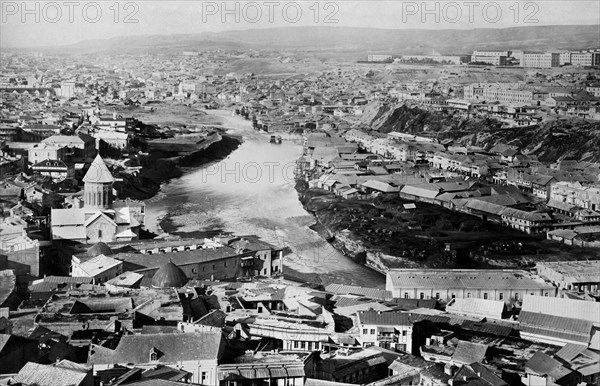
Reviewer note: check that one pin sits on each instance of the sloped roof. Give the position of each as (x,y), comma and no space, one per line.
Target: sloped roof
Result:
(477,307)
(555,326)
(171,347)
(99,264)
(568,308)
(169,276)
(477,374)
(392,318)
(569,351)
(98,172)
(372,293)
(543,364)
(465,278)
(47,375)
(468,352)
(99,248)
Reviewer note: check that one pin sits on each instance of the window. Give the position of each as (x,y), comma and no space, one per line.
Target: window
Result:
(99,233)
(365,331)
(372,331)
(303,345)
(224,264)
(403,332)
(468,294)
(213,267)
(501,296)
(309,346)
(546,294)
(453,296)
(406,295)
(437,295)
(204,376)
(422,295)
(295,344)
(485,296)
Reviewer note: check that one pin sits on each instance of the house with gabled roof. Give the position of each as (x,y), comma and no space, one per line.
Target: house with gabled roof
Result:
(196,353)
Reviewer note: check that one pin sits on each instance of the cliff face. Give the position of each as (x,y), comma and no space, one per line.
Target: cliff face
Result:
(549,141)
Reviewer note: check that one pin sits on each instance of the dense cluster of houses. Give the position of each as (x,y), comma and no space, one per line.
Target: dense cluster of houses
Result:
(170,327)
(85,301)
(498,184)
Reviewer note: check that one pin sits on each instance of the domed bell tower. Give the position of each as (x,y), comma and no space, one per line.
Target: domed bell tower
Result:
(98,185)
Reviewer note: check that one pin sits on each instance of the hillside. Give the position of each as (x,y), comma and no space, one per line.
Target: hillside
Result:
(549,141)
(345,39)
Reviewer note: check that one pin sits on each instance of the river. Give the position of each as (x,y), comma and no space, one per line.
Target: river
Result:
(252,193)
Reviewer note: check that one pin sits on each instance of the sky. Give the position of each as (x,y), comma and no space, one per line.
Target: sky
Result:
(55,23)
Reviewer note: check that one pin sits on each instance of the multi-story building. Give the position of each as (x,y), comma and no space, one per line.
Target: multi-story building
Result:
(43,151)
(390,330)
(528,222)
(492,53)
(493,60)
(541,60)
(581,58)
(79,148)
(573,193)
(506,285)
(507,93)
(379,58)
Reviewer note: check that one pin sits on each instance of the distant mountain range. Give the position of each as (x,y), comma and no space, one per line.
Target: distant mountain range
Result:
(359,40)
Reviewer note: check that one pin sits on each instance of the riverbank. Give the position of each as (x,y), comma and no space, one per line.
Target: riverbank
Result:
(383,234)
(160,166)
(251,192)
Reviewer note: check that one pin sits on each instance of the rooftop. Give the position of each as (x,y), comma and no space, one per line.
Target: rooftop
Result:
(465,278)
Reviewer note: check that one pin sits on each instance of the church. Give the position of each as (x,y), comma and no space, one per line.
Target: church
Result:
(100,218)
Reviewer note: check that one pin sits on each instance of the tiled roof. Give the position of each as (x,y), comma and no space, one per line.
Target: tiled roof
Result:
(555,326)
(465,278)
(47,375)
(172,348)
(372,293)
(568,308)
(570,351)
(391,318)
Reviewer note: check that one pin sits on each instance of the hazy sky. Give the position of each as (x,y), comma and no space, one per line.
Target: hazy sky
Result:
(47,23)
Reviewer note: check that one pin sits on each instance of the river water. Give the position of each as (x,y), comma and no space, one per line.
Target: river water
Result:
(252,193)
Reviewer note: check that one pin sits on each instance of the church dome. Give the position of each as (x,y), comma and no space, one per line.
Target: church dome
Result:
(98,249)
(169,276)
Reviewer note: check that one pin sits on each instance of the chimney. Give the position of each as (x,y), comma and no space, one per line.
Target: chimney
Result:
(449,370)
